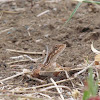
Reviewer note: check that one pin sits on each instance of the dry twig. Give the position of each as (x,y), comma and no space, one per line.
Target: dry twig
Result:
(11,28)
(83,70)
(21,73)
(43,13)
(19,61)
(23,52)
(19,96)
(46,96)
(60,93)
(50,87)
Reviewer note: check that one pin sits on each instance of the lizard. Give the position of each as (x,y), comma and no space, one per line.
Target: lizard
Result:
(50,62)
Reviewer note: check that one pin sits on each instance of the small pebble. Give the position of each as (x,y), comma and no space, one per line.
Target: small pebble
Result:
(9,32)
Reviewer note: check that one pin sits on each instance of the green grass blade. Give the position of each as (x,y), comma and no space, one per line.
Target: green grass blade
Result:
(86,95)
(95,2)
(77,6)
(93,86)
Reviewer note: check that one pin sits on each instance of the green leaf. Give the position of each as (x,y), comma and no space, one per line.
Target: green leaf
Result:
(92,86)
(95,2)
(86,95)
(77,6)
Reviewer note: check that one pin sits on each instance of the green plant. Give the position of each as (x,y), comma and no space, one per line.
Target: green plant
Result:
(92,86)
(78,5)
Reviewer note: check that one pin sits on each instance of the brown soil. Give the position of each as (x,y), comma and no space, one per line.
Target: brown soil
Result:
(47,29)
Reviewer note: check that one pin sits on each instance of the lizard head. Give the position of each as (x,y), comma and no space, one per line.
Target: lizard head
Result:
(57,50)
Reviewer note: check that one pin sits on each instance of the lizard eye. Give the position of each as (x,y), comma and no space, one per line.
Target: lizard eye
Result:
(56,47)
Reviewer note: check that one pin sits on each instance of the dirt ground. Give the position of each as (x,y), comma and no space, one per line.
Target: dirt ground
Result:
(26,31)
